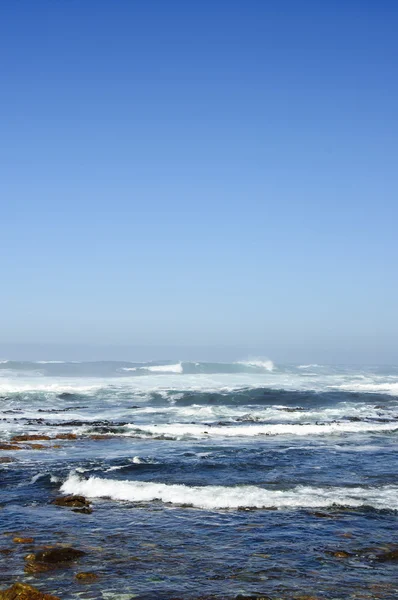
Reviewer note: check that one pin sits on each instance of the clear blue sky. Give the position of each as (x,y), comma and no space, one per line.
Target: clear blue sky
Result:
(204,173)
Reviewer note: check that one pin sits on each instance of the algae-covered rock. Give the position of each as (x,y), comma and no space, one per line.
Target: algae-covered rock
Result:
(23,540)
(86,577)
(30,437)
(71,501)
(22,591)
(55,555)
(391,556)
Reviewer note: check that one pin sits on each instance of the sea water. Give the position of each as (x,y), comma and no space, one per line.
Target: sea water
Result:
(207,480)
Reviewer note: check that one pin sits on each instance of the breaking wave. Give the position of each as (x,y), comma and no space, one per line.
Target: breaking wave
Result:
(224,497)
(180,430)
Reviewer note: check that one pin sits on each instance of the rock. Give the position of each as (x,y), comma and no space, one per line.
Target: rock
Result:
(72,501)
(340,554)
(22,591)
(55,555)
(66,436)
(37,446)
(6,459)
(23,540)
(391,556)
(28,437)
(86,577)
(322,515)
(7,446)
(84,511)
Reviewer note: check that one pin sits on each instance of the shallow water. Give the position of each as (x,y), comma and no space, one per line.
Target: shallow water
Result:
(206,480)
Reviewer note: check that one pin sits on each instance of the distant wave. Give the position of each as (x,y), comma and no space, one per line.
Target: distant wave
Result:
(180,430)
(258,363)
(177,368)
(311,366)
(223,497)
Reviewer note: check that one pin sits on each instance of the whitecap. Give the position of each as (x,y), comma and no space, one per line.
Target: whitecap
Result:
(233,497)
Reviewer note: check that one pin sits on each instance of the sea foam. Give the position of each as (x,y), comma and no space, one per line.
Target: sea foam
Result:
(178,430)
(233,497)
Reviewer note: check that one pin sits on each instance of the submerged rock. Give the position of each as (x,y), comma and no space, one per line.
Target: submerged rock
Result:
(23,540)
(23,591)
(391,556)
(86,577)
(340,554)
(8,446)
(72,501)
(6,459)
(66,436)
(84,511)
(55,555)
(29,437)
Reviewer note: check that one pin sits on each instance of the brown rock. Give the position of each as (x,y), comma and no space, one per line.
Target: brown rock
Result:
(22,591)
(23,540)
(55,555)
(6,446)
(84,511)
(37,446)
(99,436)
(391,556)
(341,554)
(30,437)
(86,577)
(66,436)
(72,501)
(6,459)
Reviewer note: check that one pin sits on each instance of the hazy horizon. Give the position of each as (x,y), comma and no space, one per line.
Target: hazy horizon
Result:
(142,353)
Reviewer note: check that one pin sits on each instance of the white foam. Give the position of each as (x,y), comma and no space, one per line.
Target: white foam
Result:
(177,368)
(311,366)
(179,430)
(218,497)
(259,363)
(50,362)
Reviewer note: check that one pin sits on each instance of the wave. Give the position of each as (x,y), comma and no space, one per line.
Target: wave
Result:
(310,366)
(177,368)
(224,497)
(180,430)
(258,363)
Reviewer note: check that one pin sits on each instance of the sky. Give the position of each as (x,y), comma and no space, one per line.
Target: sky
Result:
(216,175)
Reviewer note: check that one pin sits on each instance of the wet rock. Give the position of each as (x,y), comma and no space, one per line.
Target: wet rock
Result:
(84,511)
(5,551)
(66,436)
(339,554)
(55,555)
(7,446)
(29,437)
(322,515)
(252,597)
(72,501)
(23,591)
(391,556)
(37,446)
(6,459)
(23,540)
(86,577)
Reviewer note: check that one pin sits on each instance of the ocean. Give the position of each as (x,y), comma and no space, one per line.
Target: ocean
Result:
(205,480)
